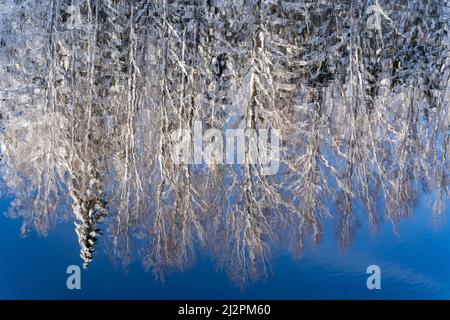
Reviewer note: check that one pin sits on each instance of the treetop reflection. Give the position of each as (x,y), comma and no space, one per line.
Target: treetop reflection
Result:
(87,113)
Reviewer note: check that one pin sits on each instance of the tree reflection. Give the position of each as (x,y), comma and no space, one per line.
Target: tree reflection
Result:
(88,111)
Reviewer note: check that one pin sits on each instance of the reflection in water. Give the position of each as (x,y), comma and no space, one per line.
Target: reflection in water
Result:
(87,110)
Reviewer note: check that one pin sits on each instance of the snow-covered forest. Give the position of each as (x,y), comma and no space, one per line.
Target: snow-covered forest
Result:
(90,91)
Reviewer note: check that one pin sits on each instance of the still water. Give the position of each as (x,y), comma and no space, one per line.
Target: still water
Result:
(114,119)
(414,266)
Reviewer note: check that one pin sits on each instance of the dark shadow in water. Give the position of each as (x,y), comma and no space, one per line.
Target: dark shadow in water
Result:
(87,112)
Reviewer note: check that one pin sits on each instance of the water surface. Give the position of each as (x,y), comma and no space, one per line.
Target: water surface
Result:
(91,93)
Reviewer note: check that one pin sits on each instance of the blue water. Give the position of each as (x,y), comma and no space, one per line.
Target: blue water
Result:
(92,92)
(414,265)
